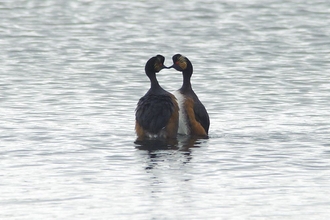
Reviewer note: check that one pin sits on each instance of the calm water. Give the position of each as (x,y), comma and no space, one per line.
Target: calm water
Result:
(73,71)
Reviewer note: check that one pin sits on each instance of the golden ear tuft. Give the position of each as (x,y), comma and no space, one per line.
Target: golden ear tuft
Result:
(158,66)
(182,62)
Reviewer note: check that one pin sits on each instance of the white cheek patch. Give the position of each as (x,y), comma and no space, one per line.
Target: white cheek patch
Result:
(183,122)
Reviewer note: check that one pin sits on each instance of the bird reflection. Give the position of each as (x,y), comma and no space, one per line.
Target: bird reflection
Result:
(182,143)
(160,150)
(157,144)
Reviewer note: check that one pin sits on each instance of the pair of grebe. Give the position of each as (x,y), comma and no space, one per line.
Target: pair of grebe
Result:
(162,114)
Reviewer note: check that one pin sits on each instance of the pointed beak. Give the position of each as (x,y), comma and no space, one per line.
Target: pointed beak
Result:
(175,66)
(165,67)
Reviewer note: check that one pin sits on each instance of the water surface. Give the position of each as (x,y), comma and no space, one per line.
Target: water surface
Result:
(73,71)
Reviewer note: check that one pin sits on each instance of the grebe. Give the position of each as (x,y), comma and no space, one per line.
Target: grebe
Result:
(157,112)
(193,117)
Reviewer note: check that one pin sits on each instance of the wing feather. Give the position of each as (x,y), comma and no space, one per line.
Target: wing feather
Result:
(154,111)
(201,115)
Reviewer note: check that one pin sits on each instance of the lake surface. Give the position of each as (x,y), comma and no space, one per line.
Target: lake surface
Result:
(73,71)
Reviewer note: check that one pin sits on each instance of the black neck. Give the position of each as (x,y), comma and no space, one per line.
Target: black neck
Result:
(153,80)
(187,73)
(186,80)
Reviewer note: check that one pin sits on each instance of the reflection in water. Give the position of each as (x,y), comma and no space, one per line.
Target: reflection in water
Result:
(187,142)
(167,163)
(178,149)
(182,143)
(157,144)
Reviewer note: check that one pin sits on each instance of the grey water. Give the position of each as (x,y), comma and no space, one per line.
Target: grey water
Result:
(71,73)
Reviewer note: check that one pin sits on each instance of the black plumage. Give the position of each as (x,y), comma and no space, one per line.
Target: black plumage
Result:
(200,115)
(157,111)
(154,110)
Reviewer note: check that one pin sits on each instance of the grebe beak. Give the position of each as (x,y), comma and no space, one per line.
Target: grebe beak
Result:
(175,66)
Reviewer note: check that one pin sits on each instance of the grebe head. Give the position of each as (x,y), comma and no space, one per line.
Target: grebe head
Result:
(181,63)
(155,64)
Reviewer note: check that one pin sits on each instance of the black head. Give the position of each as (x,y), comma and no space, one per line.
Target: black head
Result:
(155,64)
(181,63)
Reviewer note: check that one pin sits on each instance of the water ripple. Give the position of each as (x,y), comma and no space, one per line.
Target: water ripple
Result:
(73,71)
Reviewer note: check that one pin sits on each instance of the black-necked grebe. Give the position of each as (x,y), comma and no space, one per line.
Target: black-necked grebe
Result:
(193,117)
(157,112)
